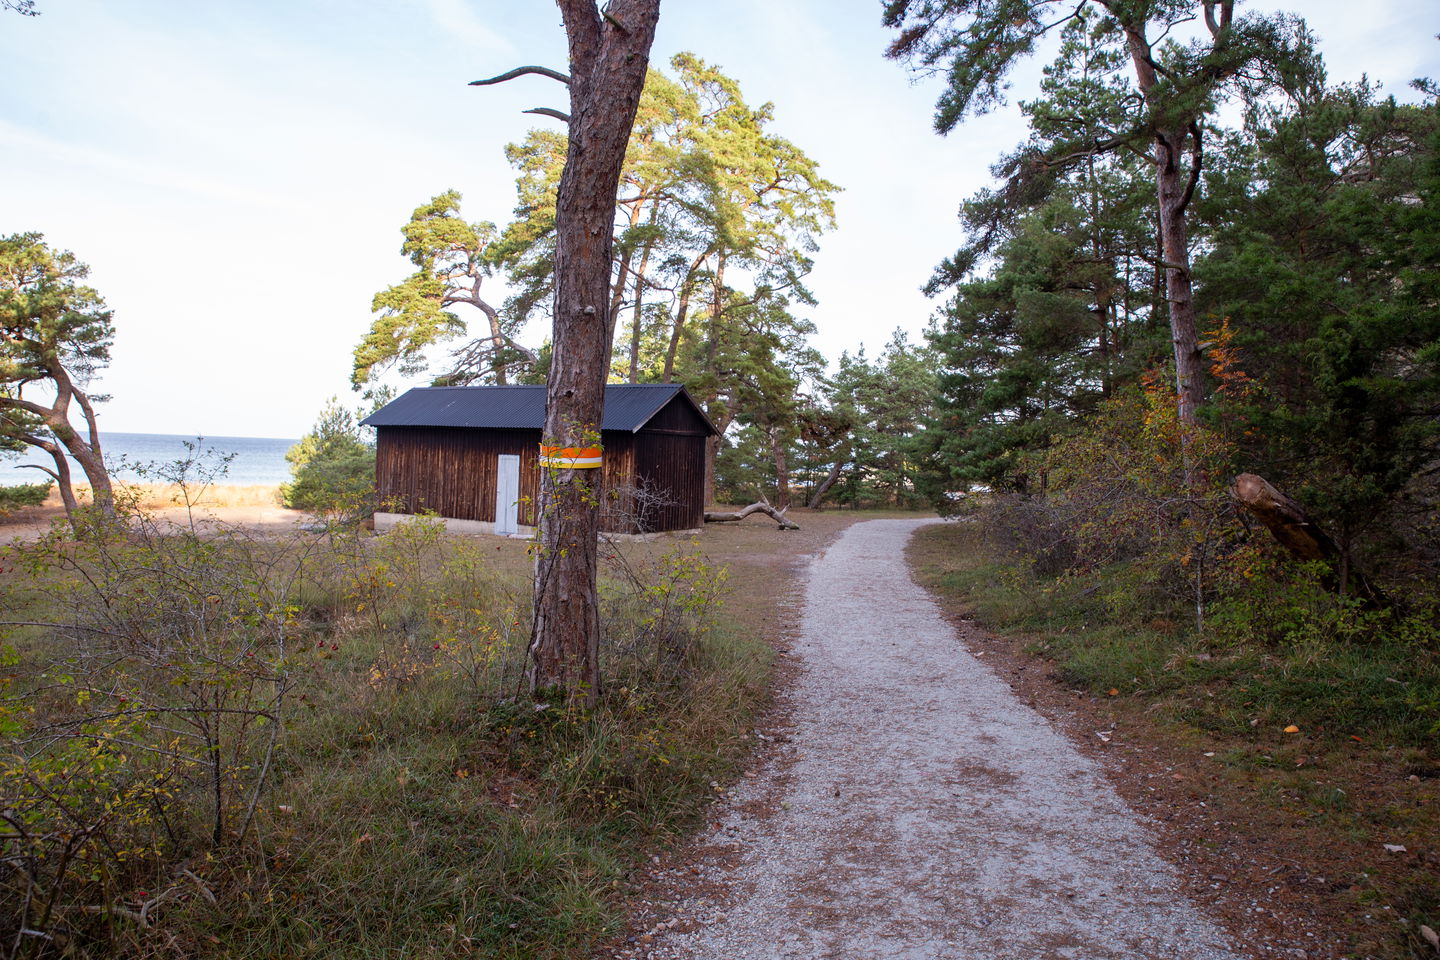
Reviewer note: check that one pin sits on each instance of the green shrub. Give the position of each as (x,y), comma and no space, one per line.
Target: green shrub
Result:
(23,495)
(333,466)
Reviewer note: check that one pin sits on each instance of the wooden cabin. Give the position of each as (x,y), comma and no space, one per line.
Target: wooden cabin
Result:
(471,455)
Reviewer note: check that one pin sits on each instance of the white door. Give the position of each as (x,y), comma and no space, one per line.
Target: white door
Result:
(507,495)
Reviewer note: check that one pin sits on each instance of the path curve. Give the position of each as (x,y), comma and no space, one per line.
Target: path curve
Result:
(924,811)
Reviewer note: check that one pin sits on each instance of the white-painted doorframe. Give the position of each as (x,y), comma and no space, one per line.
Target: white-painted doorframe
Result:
(507,495)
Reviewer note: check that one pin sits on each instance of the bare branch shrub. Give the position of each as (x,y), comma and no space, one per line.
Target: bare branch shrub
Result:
(169,690)
(634,507)
(154,700)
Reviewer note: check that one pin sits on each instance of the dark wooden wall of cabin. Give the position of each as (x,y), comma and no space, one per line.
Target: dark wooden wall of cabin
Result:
(615,512)
(670,460)
(672,466)
(452,471)
(679,416)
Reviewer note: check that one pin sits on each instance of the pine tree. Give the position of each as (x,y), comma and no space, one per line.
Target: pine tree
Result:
(1169,92)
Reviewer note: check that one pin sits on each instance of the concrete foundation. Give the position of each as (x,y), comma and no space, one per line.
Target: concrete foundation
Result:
(384,521)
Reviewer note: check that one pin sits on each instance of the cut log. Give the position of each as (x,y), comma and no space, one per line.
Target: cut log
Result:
(762,507)
(1296,532)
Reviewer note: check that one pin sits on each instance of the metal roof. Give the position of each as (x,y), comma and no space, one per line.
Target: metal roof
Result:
(628,406)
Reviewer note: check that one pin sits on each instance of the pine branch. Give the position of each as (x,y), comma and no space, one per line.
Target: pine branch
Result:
(520,72)
(549,112)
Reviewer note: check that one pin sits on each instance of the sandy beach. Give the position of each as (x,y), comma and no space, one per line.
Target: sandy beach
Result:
(253,508)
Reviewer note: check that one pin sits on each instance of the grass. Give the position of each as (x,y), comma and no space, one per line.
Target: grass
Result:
(1324,746)
(1381,689)
(415,804)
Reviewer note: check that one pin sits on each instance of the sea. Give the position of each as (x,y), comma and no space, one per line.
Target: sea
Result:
(252,461)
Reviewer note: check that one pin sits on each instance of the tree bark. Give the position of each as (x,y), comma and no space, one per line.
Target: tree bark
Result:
(609,54)
(782,469)
(497,337)
(1284,518)
(712,450)
(1173,190)
(61,475)
(1293,529)
(681,313)
(832,478)
(617,291)
(676,332)
(717,306)
(86,453)
(638,318)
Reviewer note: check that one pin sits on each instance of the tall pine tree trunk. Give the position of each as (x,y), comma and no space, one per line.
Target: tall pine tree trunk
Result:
(61,474)
(830,480)
(1174,186)
(717,308)
(712,452)
(609,54)
(84,450)
(637,320)
(782,469)
(497,339)
(677,332)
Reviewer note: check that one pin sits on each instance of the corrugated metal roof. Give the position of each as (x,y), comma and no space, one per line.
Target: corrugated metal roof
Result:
(628,406)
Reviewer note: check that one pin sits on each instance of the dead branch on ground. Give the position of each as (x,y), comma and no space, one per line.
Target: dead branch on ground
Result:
(762,507)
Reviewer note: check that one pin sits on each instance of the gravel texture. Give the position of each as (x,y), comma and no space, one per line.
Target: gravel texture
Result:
(915,808)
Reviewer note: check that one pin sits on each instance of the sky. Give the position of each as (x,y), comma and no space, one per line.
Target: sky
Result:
(236,173)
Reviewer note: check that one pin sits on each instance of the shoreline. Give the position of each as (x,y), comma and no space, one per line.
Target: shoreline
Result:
(237,461)
(254,507)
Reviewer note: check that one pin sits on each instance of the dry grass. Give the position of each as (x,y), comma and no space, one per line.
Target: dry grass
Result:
(158,496)
(766,563)
(416,806)
(255,508)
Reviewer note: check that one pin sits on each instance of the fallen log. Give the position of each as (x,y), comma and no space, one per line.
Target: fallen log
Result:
(762,507)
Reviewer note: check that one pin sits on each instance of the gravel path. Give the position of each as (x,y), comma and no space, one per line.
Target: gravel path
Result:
(919,810)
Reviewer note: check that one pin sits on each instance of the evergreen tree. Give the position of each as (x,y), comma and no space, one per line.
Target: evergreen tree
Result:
(454,260)
(333,466)
(1325,232)
(1056,298)
(886,401)
(1166,97)
(55,335)
(748,369)
(708,196)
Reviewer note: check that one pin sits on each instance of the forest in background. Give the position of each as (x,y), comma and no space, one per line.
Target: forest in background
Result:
(717,222)
(1207,261)
(1310,225)
(1109,365)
